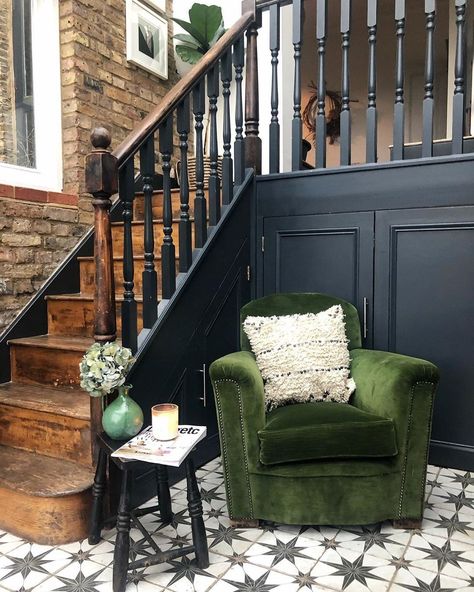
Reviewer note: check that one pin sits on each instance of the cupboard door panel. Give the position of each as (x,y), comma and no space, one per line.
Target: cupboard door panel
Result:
(328,253)
(424,307)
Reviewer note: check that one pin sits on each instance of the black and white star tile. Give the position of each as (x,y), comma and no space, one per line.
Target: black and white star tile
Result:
(275,557)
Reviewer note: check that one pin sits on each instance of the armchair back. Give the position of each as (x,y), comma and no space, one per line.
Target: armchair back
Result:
(300,303)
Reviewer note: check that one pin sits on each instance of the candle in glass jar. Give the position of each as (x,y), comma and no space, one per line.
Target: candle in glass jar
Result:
(164,421)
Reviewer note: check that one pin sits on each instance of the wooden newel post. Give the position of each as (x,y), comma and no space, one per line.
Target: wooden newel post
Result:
(253,144)
(102,183)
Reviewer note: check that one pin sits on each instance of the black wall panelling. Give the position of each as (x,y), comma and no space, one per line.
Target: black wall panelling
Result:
(402,236)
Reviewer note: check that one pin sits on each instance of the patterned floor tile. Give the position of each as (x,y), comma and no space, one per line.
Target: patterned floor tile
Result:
(275,557)
(444,557)
(286,552)
(344,569)
(8,542)
(380,540)
(419,580)
(253,578)
(83,577)
(29,564)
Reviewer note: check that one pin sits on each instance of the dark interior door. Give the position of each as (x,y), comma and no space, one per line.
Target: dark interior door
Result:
(424,281)
(328,253)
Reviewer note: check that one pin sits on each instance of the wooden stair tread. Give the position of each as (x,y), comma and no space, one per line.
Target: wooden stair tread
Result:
(42,476)
(70,402)
(78,344)
(86,297)
(119,258)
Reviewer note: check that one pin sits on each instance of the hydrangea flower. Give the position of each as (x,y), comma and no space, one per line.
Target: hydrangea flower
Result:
(104,368)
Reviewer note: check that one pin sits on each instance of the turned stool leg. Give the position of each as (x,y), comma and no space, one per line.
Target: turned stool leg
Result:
(122,542)
(164,498)
(195,512)
(98,489)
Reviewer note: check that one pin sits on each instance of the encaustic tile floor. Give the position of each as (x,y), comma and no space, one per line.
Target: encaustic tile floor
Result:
(278,558)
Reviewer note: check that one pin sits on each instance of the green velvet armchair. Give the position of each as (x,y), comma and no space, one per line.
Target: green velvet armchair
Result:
(325,463)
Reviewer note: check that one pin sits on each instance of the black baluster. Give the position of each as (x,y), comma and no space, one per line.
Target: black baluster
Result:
(297,124)
(226,77)
(239,144)
(399,107)
(98,491)
(168,263)
(150,282)
(214,180)
(345,119)
(459,97)
(129,304)
(428,100)
(371,135)
(200,207)
(274,132)
(253,143)
(185,245)
(321,26)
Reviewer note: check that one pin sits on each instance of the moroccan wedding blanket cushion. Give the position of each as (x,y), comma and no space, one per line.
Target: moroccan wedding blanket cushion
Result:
(302,357)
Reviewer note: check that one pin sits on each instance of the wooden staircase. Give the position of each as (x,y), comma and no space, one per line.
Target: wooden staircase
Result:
(45,435)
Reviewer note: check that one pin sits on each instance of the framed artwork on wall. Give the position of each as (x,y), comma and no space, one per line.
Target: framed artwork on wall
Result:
(147,38)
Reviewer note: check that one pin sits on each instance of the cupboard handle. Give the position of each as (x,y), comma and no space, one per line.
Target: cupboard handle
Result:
(204,387)
(366,304)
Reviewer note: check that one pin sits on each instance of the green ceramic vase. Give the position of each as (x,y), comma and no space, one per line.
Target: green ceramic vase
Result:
(123,418)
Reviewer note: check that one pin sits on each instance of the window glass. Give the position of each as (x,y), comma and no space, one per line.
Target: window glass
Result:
(17,118)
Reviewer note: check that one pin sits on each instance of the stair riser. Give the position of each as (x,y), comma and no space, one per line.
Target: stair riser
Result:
(88,276)
(39,365)
(45,520)
(157,205)
(138,238)
(76,318)
(52,435)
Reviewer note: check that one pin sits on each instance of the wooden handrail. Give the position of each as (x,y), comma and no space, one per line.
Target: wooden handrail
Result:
(152,121)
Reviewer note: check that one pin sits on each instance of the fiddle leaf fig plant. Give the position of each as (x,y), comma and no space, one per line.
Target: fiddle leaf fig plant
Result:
(204,28)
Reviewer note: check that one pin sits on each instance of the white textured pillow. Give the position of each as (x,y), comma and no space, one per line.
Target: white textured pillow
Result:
(302,357)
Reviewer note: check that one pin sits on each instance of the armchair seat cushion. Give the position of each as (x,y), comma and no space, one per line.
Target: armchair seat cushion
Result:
(312,431)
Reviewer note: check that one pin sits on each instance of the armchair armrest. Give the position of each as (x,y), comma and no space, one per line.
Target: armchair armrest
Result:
(402,388)
(239,395)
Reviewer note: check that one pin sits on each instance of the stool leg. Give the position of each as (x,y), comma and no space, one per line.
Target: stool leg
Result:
(164,498)
(98,489)
(195,512)
(122,542)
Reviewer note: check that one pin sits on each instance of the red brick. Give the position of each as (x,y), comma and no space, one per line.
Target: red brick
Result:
(27,194)
(7,191)
(62,198)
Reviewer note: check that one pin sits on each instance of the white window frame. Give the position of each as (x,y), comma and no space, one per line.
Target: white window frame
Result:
(48,173)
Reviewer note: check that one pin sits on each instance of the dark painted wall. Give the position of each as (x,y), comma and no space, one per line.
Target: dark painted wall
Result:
(396,240)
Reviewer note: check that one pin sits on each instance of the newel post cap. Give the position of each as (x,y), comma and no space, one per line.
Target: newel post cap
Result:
(101,165)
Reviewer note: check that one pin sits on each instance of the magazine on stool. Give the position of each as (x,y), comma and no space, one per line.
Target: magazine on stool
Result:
(163,452)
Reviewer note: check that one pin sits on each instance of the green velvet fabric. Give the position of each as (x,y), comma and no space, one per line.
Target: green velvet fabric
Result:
(311,431)
(326,491)
(287,304)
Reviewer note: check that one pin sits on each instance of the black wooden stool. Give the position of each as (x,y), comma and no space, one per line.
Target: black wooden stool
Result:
(126,514)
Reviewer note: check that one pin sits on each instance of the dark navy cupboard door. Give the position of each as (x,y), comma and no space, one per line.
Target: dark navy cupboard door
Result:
(424,307)
(328,253)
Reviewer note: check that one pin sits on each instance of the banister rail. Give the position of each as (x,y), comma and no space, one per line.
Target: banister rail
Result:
(152,121)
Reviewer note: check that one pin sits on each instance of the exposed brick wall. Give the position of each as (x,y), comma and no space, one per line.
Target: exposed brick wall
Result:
(99,87)
(93,54)
(6,138)
(34,238)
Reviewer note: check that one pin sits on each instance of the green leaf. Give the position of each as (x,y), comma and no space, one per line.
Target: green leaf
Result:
(218,34)
(187,40)
(192,30)
(188,54)
(206,20)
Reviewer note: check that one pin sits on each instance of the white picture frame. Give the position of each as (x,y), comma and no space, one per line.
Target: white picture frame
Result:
(157,4)
(147,38)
